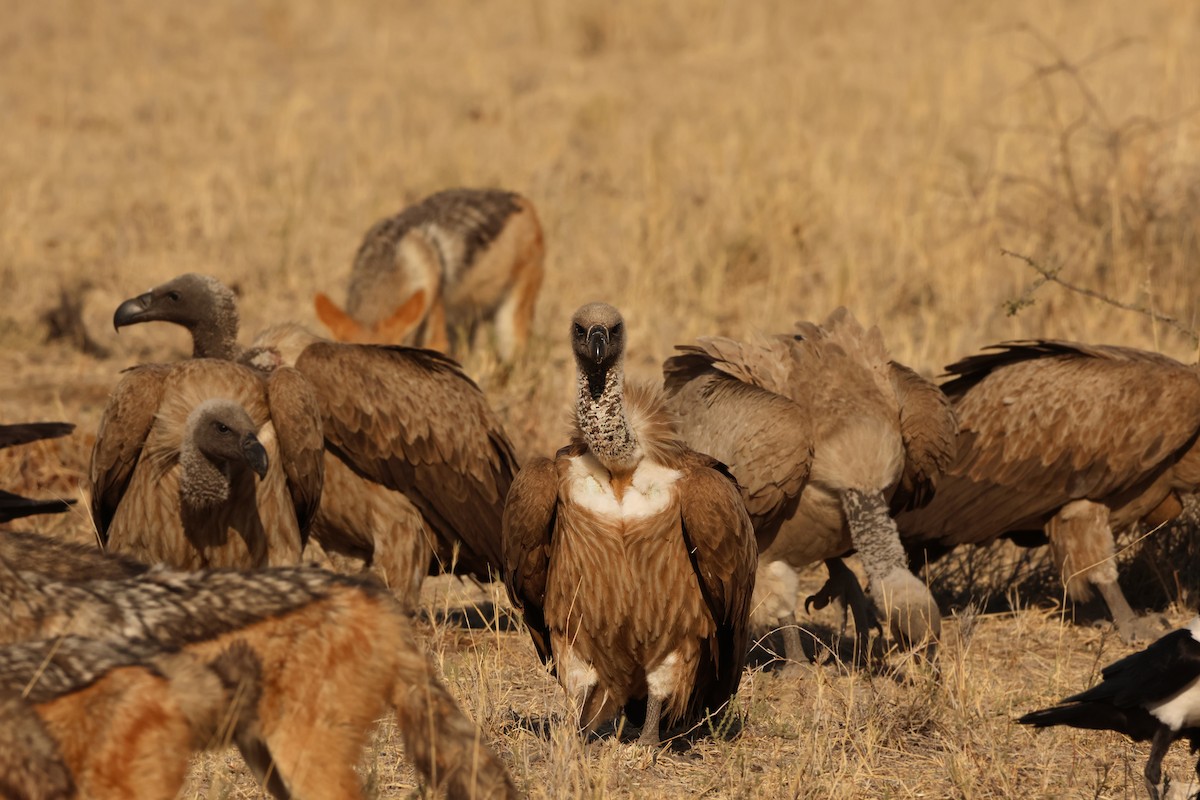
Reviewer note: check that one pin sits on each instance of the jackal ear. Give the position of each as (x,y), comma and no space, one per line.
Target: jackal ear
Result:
(342,326)
(406,317)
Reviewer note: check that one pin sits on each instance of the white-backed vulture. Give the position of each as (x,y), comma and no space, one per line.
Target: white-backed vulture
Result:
(14,506)
(1071,439)
(206,464)
(630,556)
(417,463)
(823,430)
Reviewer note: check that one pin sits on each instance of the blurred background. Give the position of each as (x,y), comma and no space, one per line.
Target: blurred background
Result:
(711,167)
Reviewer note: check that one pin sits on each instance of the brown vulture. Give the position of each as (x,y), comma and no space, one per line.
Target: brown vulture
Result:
(630,555)
(416,462)
(828,435)
(1066,442)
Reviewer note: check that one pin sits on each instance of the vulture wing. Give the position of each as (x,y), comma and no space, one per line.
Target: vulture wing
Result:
(765,439)
(296,414)
(1061,424)
(928,427)
(412,421)
(720,543)
(123,430)
(530,514)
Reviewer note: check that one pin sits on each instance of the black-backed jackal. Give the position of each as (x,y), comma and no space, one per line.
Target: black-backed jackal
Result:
(335,653)
(440,267)
(105,719)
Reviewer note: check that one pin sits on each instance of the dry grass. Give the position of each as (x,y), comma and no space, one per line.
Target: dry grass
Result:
(710,167)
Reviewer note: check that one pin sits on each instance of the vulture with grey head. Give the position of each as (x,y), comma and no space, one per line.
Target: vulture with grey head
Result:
(206,464)
(416,463)
(827,434)
(630,555)
(1066,442)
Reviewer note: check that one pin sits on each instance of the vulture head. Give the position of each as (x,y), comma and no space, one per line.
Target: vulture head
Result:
(200,303)
(598,341)
(220,436)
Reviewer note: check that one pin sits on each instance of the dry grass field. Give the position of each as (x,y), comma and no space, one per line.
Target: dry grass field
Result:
(711,167)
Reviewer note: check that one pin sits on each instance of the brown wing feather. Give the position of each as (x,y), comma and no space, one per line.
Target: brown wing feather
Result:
(720,543)
(765,439)
(411,420)
(296,414)
(529,518)
(1037,433)
(929,427)
(969,371)
(123,429)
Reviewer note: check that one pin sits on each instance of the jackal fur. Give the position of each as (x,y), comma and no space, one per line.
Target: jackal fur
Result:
(335,652)
(101,719)
(441,267)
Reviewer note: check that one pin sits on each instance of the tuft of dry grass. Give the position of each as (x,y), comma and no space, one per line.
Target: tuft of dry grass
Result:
(710,168)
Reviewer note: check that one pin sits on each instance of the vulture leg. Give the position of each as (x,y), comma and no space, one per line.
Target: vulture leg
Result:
(793,650)
(1081,541)
(912,613)
(649,735)
(1158,748)
(843,586)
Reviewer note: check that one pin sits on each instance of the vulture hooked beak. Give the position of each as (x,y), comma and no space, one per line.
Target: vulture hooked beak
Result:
(598,342)
(128,312)
(256,455)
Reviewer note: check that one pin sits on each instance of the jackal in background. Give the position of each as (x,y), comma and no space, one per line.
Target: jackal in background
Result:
(439,268)
(335,652)
(108,719)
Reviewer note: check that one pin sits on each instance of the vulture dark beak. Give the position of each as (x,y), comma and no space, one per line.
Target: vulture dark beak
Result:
(598,342)
(128,312)
(256,455)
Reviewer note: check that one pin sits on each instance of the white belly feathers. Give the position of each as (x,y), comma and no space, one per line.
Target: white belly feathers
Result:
(649,493)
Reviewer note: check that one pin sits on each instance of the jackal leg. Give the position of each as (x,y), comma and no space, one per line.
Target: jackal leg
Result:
(514,318)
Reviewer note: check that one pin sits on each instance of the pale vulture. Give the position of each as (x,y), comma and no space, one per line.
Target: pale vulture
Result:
(1066,442)
(206,464)
(14,506)
(417,464)
(630,556)
(826,433)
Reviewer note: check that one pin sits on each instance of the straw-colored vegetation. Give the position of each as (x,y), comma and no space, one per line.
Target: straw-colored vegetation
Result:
(709,167)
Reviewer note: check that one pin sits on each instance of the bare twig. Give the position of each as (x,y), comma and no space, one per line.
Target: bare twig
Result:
(1051,276)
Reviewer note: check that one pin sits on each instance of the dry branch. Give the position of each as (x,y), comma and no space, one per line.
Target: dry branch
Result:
(1051,276)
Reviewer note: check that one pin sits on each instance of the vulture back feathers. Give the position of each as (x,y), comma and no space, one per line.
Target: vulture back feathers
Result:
(823,430)
(1071,439)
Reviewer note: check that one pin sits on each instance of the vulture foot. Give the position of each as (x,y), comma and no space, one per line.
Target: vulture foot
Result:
(1132,627)
(913,616)
(843,586)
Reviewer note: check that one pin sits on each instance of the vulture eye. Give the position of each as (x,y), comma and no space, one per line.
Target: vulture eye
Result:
(222,427)
(173,296)
(616,329)
(579,331)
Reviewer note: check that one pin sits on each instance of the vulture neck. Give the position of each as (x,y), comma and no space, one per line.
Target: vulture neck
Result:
(217,337)
(207,343)
(202,484)
(603,422)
